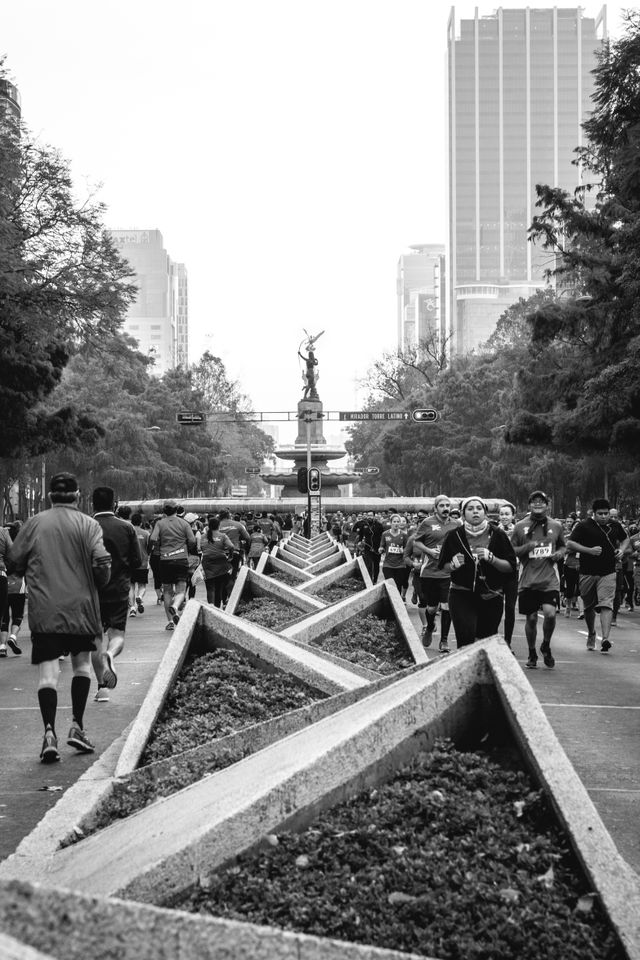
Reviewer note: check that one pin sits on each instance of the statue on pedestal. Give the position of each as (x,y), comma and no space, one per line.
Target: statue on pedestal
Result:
(310,375)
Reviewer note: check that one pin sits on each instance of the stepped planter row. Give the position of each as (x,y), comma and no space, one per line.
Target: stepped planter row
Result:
(319,814)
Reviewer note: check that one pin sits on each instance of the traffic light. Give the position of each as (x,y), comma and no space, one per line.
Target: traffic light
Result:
(302,480)
(425,416)
(314,480)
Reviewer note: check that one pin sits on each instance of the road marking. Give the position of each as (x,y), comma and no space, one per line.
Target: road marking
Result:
(613,790)
(590,706)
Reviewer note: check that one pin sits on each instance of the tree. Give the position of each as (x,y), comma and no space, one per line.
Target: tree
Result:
(62,285)
(580,388)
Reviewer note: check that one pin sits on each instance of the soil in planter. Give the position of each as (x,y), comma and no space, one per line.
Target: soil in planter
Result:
(283,577)
(338,591)
(267,612)
(369,642)
(217,694)
(454,857)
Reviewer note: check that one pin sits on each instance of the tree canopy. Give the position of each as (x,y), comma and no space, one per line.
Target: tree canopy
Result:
(579,389)
(62,285)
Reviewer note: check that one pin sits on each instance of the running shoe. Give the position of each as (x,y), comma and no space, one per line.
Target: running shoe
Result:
(109,677)
(591,641)
(605,646)
(102,694)
(132,612)
(79,740)
(172,611)
(545,650)
(3,649)
(140,605)
(443,646)
(614,623)
(176,619)
(532,662)
(170,626)
(14,646)
(49,752)
(427,636)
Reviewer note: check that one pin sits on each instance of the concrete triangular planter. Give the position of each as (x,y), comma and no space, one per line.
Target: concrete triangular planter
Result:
(180,841)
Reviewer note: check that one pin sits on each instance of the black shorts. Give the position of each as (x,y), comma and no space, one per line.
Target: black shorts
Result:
(13,611)
(50,646)
(140,576)
(174,571)
(432,590)
(399,574)
(114,613)
(530,601)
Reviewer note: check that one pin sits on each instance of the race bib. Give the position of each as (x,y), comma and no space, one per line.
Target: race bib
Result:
(394,548)
(542,551)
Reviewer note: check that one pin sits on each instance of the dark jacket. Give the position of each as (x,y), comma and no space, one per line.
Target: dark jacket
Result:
(482,576)
(122,543)
(62,555)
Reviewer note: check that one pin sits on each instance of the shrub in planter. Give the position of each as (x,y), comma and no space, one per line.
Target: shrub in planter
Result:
(217,694)
(369,642)
(267,612)
(456,856)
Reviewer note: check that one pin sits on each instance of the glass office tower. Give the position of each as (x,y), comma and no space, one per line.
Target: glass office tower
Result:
(519,90)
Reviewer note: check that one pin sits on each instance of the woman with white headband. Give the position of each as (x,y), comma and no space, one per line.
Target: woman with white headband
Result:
(480,558)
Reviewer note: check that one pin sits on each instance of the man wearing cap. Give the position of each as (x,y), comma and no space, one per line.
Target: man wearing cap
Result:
(62,556)
(122,543)
(538,542)
(600,543)
(176,540)
(433,583)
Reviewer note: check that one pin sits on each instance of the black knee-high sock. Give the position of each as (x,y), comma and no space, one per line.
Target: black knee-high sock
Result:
(48,700)
(80,687)
(431,618)
(445,623)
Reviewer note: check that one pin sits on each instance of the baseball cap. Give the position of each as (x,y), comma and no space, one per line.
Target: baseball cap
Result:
(63,483)
(538,495)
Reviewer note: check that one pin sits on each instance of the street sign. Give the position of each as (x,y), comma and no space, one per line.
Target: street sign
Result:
(372,471)
(374,415)
(425,416)
(190,417)
(254,471)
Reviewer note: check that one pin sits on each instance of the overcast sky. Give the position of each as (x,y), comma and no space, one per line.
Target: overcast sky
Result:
(289,151)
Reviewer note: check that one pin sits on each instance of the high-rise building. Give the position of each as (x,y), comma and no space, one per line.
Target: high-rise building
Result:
(181,287)
(519,90)
(159,317)
(420,295)
(10,105)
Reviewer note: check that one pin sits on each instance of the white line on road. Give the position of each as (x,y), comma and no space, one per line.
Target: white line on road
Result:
(590,706)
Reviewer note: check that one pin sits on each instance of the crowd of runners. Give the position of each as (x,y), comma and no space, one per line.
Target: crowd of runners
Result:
(84,577)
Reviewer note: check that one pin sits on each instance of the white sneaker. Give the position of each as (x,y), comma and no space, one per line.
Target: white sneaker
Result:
(102,695)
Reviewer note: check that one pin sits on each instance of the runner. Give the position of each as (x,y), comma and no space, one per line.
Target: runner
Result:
(538,542)
(63,558)
(121,541)
(600,543)
(176,540)
(139,577)
(433,582)
(392,545)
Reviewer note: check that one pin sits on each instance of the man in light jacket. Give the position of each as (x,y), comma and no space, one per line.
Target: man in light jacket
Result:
(61,554)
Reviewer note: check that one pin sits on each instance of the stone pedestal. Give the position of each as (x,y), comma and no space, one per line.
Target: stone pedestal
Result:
(321,454)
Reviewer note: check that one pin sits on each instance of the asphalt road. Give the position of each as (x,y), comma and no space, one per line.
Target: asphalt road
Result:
(592,701)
